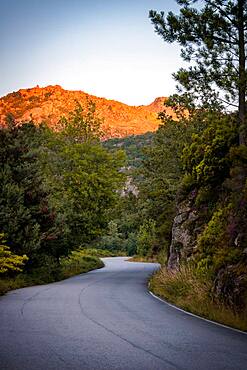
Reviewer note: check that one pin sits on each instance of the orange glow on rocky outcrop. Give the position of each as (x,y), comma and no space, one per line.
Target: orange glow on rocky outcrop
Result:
(50,103)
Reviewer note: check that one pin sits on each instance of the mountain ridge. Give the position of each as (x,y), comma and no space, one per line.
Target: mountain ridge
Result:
(48,104)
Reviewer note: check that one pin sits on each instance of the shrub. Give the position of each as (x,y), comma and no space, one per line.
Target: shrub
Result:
(10,262)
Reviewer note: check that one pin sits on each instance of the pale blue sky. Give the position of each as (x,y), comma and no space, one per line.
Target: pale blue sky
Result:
(104,47)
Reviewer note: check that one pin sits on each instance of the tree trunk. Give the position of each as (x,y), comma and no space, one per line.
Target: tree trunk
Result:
(242,76)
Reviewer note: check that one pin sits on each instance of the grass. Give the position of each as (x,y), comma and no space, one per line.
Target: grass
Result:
(102,252)
(78,262)
(186,290)
(161,258)
(142,259)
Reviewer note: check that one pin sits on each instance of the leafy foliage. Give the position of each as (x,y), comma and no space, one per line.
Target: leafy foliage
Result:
(112,240)
(82,126)
(76,263)
(90,178)
(146,238)
(161,174)
(133,147)
(8,260)
(207,158)
(56,188)
(213,39)
(25,214)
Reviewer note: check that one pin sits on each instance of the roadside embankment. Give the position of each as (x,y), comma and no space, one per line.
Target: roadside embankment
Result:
(77,263)
(186,290)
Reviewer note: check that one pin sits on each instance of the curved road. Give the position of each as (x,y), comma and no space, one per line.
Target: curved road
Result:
(106,319)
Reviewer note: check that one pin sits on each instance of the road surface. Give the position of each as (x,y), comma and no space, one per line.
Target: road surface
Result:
(106,319)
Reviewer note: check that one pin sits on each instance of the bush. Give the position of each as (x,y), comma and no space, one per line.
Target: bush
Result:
(78,263)
(50,271)
(146,238)
(10,262)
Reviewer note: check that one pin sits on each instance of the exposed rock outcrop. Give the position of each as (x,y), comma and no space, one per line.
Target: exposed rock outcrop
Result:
(229,282)
(50,103)
(230,285)
(183,240)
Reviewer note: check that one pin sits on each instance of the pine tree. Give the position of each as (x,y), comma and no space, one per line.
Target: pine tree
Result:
(213,37)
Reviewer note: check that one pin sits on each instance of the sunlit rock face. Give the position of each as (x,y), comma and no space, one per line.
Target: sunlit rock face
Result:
(183,241)
(50,103)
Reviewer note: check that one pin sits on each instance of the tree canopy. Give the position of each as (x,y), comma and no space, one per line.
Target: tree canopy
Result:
(56,187)
(213,39)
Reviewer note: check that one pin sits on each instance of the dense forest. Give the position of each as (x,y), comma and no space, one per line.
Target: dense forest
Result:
(56,190)
(178,196)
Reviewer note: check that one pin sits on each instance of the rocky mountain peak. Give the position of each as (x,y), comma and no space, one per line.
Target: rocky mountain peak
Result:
(48,104)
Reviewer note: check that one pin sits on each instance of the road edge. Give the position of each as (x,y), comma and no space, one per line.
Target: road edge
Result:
(194,315)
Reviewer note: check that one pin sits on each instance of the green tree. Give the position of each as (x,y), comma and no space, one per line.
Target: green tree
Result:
(161,173)
(10,262)
(83,124)
(55,187)
(131,244)
(213,37)
(146,238)
(112,240)
(84,177)
(207,158)
(25,215)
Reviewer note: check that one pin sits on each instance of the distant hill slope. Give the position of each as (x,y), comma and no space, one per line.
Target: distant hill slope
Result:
(133,146)
(50,103)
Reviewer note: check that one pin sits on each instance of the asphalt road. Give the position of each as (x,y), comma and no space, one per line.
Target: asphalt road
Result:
(106,319)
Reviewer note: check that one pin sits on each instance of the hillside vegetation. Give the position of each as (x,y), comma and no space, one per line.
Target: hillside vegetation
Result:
(77,262)
(132,145)
(180,197)
(56,192)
